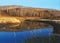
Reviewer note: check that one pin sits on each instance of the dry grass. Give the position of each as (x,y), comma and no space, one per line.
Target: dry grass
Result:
(12,18)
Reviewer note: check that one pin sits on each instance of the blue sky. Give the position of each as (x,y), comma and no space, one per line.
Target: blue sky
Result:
(51,4)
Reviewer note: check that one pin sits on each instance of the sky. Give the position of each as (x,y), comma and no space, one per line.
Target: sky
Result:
(51,4)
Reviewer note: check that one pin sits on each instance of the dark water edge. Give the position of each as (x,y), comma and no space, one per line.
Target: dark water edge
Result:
(51,39)
(25,36)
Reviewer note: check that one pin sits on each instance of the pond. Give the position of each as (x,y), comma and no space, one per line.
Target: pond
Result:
(19,37)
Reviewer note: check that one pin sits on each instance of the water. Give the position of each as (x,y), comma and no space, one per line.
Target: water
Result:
(19,37)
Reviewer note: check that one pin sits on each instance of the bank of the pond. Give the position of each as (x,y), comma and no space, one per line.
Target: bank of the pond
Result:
(19,37)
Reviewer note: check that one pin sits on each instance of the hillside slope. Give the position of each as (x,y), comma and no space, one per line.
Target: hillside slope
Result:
(22,12)
(30,12)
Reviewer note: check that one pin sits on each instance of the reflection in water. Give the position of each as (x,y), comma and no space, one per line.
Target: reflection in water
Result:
(8,37)
(27,25)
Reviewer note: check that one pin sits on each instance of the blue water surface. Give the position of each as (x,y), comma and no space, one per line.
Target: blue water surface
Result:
(19,37)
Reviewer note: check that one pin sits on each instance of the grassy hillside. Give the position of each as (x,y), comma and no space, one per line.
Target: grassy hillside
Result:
(30,12)
(20,11)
